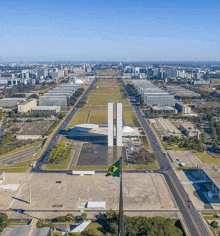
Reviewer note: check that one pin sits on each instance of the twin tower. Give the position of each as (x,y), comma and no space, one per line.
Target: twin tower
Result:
(111,123)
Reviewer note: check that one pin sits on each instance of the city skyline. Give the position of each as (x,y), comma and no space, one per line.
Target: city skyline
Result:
(116,31)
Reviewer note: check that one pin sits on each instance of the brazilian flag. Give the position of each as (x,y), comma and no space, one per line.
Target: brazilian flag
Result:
(114,170)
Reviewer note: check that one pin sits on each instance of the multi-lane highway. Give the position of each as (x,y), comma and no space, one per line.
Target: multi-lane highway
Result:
(20,156)
(53,142)
(193,220)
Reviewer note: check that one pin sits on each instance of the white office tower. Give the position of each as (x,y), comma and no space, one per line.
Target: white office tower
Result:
(110,123)
(119,123)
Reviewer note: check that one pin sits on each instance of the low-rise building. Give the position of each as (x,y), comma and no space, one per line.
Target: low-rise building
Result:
(183,108)
(210,173)
(11,102)
(189,129)
(46,109)
(26,106)
(163,109)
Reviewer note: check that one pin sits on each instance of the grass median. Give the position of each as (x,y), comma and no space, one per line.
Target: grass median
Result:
(19,168)
(150,166)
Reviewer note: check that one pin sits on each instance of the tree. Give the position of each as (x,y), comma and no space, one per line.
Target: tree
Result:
(83,216)
(42,224)
(3,217)
(214,224)
(61,218)
(90,232)
(69,217)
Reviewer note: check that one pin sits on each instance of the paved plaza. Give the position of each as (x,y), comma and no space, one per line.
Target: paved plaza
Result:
(69,192)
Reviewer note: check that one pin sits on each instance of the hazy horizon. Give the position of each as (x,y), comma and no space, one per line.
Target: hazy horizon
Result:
(115,31)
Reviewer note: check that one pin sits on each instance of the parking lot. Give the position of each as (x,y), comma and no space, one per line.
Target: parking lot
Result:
(36,127)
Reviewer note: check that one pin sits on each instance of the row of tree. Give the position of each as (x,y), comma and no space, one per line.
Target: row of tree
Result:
(72,100)
(188,143)
(215,133)
(140,225)
(60,153)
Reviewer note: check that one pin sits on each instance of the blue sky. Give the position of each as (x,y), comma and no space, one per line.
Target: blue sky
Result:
(147,30)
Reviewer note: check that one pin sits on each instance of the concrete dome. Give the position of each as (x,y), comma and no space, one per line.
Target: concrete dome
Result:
(127,129)
(86,127)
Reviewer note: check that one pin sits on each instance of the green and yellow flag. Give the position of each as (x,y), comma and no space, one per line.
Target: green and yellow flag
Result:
(114,170)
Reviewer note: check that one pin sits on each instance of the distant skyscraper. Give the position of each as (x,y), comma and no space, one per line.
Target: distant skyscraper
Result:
(119,123)
(110,123)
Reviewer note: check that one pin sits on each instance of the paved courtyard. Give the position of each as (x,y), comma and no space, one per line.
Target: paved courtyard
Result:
(69,192)
(96,154)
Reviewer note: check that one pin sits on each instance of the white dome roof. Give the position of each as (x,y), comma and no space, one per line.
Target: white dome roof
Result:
(86,127)
(78,81)
(127,129)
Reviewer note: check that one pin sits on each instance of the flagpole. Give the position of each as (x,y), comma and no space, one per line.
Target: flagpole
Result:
(121,216)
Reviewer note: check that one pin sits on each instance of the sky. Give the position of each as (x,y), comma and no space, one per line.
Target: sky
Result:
(115,30)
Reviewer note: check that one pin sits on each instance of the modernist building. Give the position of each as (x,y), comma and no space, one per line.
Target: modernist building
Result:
(153,95)
(52,101)
(110,123)
(119,123)
(46,109)
(26,106)
(210,173)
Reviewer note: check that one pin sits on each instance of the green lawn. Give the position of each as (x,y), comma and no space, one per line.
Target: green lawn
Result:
(108,81)
(112,89)
(131,118)
(79,118)
(57,233)
(103,98)
(145,142)
(22,167)
(95,108)
(64,164)
(128,108)
(98,117)
(95,226)
(205,158)
(174,148)
(151,166)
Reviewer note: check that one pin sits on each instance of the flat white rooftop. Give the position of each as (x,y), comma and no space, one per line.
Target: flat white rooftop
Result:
(95,205)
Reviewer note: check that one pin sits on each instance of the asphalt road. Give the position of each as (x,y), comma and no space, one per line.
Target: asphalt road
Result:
(41,163)
(192,218)
(208,140)
(16,157)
